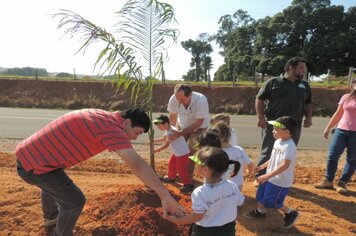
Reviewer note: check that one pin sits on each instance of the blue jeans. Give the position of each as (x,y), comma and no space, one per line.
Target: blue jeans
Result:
(341,139)
(60,198)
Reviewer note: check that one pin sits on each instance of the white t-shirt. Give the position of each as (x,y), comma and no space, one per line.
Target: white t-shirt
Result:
(236,153)
(218,201)
(233,138)
(283,150)
(197,109)
(179,146)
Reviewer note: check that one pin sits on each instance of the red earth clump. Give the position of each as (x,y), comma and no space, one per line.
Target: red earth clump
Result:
(133,210)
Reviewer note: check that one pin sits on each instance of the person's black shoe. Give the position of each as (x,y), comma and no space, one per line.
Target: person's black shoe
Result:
(255,214)
(291,218)
(187,188)
(167,180)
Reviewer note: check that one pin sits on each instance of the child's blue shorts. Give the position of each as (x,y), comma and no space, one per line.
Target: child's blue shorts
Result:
(271,195)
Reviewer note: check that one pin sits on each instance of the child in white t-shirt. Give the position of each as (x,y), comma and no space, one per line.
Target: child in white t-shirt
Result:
(179,159)
(226,118)
(212,203)
(235,153)
(274,185)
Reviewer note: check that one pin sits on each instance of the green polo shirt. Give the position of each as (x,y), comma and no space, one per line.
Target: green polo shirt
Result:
(285,98)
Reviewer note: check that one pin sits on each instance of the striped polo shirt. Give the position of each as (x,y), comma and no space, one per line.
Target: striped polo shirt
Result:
(71,139)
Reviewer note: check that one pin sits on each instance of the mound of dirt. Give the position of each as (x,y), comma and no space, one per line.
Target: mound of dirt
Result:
(97,94)
(133,210)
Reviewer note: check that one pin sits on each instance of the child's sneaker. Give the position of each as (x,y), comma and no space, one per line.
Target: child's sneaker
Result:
(341,187)
(324,184)
(291,218)
(255,214)
(167,180)
(187,188)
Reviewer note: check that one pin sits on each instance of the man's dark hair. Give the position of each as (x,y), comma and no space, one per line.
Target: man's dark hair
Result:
(139,118)
(183,87)
(293,62)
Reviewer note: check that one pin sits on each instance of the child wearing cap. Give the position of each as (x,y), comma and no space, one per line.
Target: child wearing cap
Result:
(212,202)
(178,161)
(274,185)
(226,118)
(235,153)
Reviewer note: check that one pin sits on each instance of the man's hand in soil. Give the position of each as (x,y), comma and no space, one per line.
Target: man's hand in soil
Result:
(170,206)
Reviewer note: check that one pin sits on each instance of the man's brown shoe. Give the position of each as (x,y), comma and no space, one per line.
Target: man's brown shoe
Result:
(341,187)
(324,184)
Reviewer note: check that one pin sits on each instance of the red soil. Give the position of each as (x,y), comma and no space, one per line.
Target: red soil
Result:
(118,204)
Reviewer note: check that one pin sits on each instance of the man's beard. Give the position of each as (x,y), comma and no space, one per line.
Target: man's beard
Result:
(300,76)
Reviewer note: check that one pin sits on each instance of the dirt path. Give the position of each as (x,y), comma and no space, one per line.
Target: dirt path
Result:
(118,204)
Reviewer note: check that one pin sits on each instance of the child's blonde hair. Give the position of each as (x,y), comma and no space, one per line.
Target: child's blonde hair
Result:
(223,130)
(220,117)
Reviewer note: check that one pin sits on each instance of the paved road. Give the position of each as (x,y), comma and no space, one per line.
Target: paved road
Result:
(19,123)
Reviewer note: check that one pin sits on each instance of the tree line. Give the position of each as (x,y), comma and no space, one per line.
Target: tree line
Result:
(35,72)
(25,71)
(324,34)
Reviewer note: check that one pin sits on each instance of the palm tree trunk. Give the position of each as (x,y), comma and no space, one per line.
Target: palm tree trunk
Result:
(151,133)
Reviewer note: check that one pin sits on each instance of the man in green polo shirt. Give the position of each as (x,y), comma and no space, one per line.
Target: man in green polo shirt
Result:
(287,95)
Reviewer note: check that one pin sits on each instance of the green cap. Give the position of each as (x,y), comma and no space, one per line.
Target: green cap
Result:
(196,160)
(276,124)
(162,119)
(158,121)
(284,122)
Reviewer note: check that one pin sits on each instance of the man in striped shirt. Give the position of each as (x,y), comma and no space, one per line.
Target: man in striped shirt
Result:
(71,139)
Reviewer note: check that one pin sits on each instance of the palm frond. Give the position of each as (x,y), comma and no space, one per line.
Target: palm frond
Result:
(115,58)
(142,29)
(144,24)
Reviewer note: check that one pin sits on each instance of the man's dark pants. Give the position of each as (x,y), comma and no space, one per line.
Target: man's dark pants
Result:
(192,143)
(60,198)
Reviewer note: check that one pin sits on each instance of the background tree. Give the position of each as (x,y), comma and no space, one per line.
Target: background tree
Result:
(64,75)
(335,37)
(207,61)
(134,54)
(190,76)
(206,66)
(26,71)
(323,34)
(200,50)
(235,36)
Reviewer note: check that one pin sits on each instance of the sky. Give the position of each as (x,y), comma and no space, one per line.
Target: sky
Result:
(29,36)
